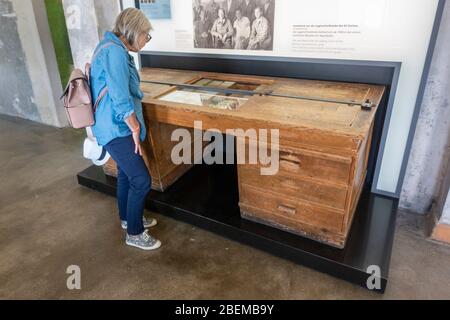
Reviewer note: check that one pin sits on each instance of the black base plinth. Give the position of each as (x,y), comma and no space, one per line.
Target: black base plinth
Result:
(207,197)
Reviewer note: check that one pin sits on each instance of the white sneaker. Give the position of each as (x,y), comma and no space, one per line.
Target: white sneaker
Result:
(143,241)
(148,223)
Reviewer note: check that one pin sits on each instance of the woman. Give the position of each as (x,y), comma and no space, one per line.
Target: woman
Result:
(120,126)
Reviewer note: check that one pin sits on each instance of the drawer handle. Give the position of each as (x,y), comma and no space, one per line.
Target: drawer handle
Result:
(290,158)
(287,209)
(291,165)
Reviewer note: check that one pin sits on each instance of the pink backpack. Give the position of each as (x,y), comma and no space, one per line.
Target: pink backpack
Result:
(78,99)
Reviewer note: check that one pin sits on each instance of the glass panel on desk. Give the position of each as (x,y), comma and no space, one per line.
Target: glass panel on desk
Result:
(204,98)
(226,84)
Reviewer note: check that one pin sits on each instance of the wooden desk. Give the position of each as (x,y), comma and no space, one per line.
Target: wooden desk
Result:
(323,147)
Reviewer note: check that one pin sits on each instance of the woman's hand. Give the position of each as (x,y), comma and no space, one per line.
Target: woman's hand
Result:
(135,128)
(137,141)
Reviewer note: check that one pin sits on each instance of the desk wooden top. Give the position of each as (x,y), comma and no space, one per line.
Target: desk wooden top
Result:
(285,112)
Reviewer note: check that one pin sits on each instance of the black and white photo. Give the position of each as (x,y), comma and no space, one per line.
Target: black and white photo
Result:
(234,24)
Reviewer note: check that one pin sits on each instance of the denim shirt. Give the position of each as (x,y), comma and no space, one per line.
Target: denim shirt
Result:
(114,67)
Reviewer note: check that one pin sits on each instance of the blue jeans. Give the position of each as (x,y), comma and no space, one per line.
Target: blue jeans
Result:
(133,183)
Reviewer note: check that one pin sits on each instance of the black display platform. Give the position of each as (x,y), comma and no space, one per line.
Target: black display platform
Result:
(207,197)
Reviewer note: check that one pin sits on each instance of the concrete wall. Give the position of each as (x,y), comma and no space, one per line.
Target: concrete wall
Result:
(82,25)
(87,21)
(17,98)
(430,151)
(107,11)
(30,84)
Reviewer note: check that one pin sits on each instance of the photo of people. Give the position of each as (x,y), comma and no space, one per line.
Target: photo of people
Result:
(234,24)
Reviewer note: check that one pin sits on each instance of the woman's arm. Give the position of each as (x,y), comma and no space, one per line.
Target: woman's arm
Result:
(117,75)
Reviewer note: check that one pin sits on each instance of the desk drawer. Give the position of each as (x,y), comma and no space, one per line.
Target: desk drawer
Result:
(288,212)
(298,187)
(316,165)
(312,164)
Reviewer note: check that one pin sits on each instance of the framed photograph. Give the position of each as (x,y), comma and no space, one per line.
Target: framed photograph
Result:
(234,24)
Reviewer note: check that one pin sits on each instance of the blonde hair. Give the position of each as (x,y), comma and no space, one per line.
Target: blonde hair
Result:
(131,23)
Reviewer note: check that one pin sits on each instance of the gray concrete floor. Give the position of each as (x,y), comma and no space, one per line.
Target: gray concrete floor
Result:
(48,222)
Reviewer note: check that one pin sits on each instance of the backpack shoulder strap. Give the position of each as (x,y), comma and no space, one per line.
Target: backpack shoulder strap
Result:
(100,97)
